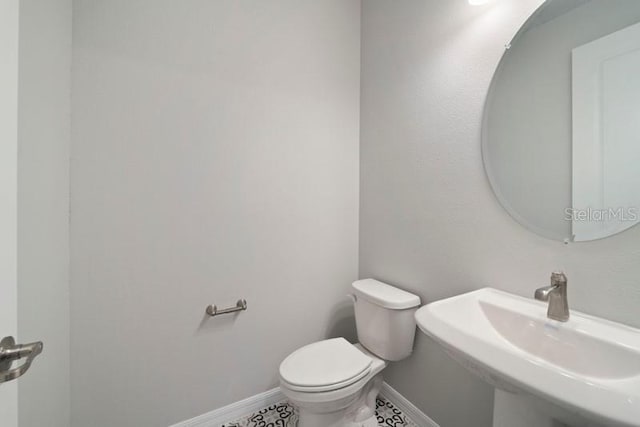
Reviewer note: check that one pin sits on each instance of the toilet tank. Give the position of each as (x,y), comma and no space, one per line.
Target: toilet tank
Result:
(385,318)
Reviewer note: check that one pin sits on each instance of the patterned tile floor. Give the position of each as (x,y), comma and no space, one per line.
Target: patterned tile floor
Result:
(285,415)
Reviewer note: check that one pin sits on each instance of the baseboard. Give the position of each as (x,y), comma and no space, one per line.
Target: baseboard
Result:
(234,411)
(417,416)
(252,404)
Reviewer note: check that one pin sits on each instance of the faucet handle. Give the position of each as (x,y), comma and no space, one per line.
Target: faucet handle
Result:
(558,278)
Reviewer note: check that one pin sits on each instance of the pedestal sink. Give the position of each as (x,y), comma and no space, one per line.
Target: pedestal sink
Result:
(584,371)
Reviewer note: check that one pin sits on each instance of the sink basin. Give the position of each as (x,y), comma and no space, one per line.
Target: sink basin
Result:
(589,366)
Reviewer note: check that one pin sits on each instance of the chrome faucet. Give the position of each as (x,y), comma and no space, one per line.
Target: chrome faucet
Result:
(556,294)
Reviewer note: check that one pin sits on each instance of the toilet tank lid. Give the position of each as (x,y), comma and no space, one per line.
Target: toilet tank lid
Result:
(384,295)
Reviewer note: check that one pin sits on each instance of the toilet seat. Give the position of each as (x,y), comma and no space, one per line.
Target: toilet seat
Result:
(324,366)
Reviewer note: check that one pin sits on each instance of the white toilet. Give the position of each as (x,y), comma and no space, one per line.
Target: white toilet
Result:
(334,383)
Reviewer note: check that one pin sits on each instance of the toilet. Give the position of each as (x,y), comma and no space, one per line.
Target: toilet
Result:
(334,383)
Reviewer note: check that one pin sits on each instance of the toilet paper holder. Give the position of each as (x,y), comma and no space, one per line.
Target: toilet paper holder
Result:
(241,305)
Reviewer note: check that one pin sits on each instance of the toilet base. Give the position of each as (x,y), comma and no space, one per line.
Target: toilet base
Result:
(360,413)
(332,420)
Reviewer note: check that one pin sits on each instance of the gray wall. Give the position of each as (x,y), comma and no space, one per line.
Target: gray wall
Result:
(43,208)
(529,128)
(214,156)
(429,221)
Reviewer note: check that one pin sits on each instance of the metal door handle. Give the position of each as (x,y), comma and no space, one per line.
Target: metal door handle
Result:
(10,352)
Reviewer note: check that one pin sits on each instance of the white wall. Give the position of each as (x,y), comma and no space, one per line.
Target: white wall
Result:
(9,33)
(43,208)
(429,220)
(214,157)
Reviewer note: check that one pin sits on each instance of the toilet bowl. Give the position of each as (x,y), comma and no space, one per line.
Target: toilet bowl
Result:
(334,383)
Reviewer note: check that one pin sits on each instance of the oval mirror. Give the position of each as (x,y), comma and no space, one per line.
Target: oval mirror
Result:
(561,129)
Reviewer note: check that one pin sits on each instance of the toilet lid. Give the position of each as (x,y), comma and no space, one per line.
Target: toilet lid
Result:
(325,365)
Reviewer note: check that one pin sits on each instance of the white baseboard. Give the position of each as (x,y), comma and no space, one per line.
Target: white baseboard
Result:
(235,411)
(417,416)
(252,404)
